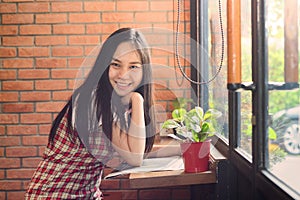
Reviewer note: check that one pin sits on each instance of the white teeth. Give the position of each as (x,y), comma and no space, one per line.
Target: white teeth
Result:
(123,84)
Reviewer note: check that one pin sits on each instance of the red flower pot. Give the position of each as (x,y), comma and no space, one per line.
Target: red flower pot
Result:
(195,156)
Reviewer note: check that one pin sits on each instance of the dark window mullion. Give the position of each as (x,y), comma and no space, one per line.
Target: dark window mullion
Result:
(260,94)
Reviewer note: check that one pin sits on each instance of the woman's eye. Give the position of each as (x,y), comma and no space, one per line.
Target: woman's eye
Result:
(114,65)
(134,67)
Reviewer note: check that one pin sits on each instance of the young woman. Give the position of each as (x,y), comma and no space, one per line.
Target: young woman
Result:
(111,112)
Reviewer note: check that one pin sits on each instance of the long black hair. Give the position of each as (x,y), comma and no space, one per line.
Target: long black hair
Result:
(92,102)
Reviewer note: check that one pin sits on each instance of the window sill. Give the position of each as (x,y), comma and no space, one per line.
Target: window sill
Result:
(176,177)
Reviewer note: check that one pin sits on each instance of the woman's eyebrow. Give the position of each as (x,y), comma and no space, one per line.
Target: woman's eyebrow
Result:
(115,59)
(133,62)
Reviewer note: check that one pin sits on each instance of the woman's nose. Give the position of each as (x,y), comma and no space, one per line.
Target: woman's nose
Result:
(123,72)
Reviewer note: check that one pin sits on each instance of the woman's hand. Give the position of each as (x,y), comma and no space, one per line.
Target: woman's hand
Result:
(132,97)
(131,145)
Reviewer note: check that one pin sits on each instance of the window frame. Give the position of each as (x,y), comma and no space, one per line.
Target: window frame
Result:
(254,170)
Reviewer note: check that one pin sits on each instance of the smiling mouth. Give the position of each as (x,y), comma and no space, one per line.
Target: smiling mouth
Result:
(123,85)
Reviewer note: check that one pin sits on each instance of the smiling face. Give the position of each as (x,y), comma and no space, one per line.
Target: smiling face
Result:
(126,69)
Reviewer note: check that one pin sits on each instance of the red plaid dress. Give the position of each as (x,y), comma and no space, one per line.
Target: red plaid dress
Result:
(68,170)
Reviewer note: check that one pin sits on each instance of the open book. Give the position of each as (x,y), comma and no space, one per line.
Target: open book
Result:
(151,165)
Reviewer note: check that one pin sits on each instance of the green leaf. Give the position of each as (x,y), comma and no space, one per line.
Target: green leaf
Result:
(205,127)
(178,114)
(272,134)
(212,113)
(170,123)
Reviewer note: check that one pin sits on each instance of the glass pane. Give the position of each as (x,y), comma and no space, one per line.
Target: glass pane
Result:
(245,144)
(284,136)
(246,106)
(218,95)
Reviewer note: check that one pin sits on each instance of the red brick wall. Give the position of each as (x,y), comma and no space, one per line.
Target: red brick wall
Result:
(43,44)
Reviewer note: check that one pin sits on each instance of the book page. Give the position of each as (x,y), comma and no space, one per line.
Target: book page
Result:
(151,165)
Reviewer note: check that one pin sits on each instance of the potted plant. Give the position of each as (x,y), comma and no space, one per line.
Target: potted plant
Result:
(193,129)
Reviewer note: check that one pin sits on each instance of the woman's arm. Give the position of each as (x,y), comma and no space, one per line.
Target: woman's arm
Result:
(131,145)
(172,148)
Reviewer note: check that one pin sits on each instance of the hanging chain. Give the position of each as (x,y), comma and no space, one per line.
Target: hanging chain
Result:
(177,54)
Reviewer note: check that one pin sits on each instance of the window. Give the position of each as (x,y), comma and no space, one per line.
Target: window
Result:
(262,147)
(283,61)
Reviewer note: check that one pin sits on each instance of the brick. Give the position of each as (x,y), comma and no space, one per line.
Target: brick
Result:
(17,107)
(125,184)
(75,62)
(21,151)
(66,6)
(50,106)
(8,52)
(9,141)
(84,18)
(161,6)
(151,17)
(45,128)
(50,40)
(8,8)
(2,132)
(159,194)
(18,63)
(50,18)
(94,28)
(61,95)
(9,96)
(119,17)
(35,96)
(7,74)
(99,6)
(72,84)
(163,72)
(18,41)
(165,95)
(68,29)
(9,118)
(171,18)
(110,184)
(33,74)
(21,129)
(10,185)
(33,52)
(101,28)
(90,51)
(51,62)
(133,6)
(160,57)
(130,194)
(42,150)
(19,173)
(181,194)
(35,140)
(11,1)
(2,175)
(33,7)
(67,51)
(31,162)
(8,30)
(84,40)
(50,85)
(17,18)
(2,195)
(1,155)
(17,85)
(35,118)
(113,195)
(35,29)
(10,163)
(63,73)
(15,195)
